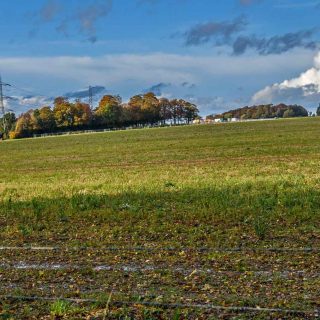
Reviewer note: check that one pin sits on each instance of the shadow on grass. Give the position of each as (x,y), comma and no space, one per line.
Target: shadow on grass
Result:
(259,207)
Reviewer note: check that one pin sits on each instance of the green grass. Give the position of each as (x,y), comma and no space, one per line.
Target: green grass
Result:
(250,185)
(59,308)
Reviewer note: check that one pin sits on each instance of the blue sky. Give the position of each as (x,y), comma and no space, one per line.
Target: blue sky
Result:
(219,54)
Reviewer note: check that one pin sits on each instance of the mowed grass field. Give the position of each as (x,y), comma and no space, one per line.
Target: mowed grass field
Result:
(163,223)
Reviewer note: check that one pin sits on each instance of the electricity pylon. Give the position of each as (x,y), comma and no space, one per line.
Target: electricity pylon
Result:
(2,110)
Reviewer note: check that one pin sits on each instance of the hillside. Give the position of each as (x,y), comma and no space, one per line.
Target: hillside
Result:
(263,112)
(206,215)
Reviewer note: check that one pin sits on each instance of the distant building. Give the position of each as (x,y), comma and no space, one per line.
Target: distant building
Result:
(198,121)
(209,120)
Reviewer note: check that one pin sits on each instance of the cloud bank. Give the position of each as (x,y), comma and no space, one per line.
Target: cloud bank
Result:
(84,18)
(218,32)
(304,88)
(276,44)
(84,93)
(231,34)
(129,74)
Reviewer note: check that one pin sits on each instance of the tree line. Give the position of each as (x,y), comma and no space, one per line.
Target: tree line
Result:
(263,112)
(141,110)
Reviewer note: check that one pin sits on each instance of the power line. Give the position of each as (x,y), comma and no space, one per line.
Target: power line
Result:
(41,98)
(34,94)
(2,84)
(2,109)
(27,91)
(90,97)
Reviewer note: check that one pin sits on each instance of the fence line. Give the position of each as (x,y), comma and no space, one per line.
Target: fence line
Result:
(64,133)
(75,132)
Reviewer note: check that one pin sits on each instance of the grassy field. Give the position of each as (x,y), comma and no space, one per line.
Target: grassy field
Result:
(136,221)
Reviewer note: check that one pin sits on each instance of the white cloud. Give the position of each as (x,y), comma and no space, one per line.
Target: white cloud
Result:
(33,101)
(303,89)
(20,104)
(128,74)
(209,105)
(160,66)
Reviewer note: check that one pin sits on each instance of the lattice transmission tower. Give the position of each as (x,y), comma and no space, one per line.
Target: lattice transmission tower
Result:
(2,108)
(90,98)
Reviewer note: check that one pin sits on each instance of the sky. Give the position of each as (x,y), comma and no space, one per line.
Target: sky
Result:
(219,54)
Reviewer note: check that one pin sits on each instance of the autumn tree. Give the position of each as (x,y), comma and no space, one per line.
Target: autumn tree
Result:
(191,111)
(174,105)
(266,112)
(82,114)
(46,118)
(7,123)
(133,110)
(182,111)
(109,111)
(150,108)
(23,126)
(64,113)
(164,110)
(289,113)
(35,121)
(140,110)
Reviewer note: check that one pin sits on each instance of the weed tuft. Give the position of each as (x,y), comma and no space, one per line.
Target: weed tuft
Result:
(261,226)
(59,308)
